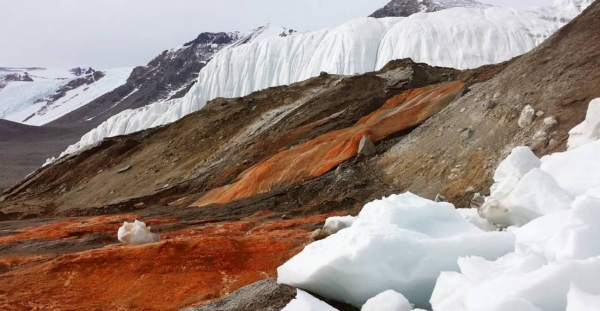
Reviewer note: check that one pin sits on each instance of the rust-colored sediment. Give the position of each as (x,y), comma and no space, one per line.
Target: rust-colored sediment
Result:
(78,227)
(188,267)
(318,156)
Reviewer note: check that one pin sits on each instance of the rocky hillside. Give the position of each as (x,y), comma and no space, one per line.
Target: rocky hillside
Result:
(236,188)
(397,8)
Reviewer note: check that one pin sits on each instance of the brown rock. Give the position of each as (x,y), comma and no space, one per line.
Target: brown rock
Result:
(366,147)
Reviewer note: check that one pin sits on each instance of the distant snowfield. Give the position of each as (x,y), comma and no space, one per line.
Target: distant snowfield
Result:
(18,99)
(459,38)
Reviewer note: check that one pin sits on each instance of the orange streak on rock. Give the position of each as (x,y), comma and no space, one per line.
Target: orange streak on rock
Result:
(77,228)
(318,156)
(9,262)
(169,275)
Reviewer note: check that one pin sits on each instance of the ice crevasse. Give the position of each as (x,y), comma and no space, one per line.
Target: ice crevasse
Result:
(458,37)
(546,259)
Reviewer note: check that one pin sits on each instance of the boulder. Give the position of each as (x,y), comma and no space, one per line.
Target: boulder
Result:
(264,295)
(527,116)
(366,147)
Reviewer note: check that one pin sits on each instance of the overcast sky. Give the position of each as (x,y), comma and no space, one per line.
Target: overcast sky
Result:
(122,33)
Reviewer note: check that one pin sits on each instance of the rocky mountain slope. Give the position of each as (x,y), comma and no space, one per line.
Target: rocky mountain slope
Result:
(408,7)
(169,75)
(236,188)
(470,37)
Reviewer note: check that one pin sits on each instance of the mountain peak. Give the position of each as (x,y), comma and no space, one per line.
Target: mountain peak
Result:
(396,8)
(572,5)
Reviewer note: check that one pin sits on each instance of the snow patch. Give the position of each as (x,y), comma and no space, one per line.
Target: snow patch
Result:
(25,102)
(387,301)
(306,302)
(578,300)
(335,224)
(589,129)
(136,233)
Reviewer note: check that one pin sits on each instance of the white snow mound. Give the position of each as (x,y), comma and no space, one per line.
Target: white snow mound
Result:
(136,233)
(589,129)
(387,301)
(578,300)
(402,242)
(307,302)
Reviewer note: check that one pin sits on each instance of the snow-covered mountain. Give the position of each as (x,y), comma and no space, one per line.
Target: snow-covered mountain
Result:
(36,96)
(170,75)
(457,37)
(405,8)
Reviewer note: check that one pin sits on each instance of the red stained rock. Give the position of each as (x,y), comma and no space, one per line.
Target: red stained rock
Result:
(188,267)
(77,228)
(318,156)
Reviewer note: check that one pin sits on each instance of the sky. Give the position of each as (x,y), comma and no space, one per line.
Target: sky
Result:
(125,33)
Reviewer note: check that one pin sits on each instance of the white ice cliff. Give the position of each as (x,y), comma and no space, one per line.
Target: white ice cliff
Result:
(458,37)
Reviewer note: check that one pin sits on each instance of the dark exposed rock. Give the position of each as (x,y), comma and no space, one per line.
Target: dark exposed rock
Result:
(397,8)
(477,201)
(440,198)
(86,77)
(366,147)
(23,77)
(169,75)
(265,295)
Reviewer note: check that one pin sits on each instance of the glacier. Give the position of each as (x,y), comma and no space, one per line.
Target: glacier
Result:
(458,37)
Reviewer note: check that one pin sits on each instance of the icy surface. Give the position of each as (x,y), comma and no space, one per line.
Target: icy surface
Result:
(458,37)
(17,95)
(306,302)
(387,301)
(335,224)
(136,233)
(578,300)
(545,288)
(18,99)
(401,242)
(556,261)
(589,129)
(471,215)
(547,259)
(577,170)
(534,195)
